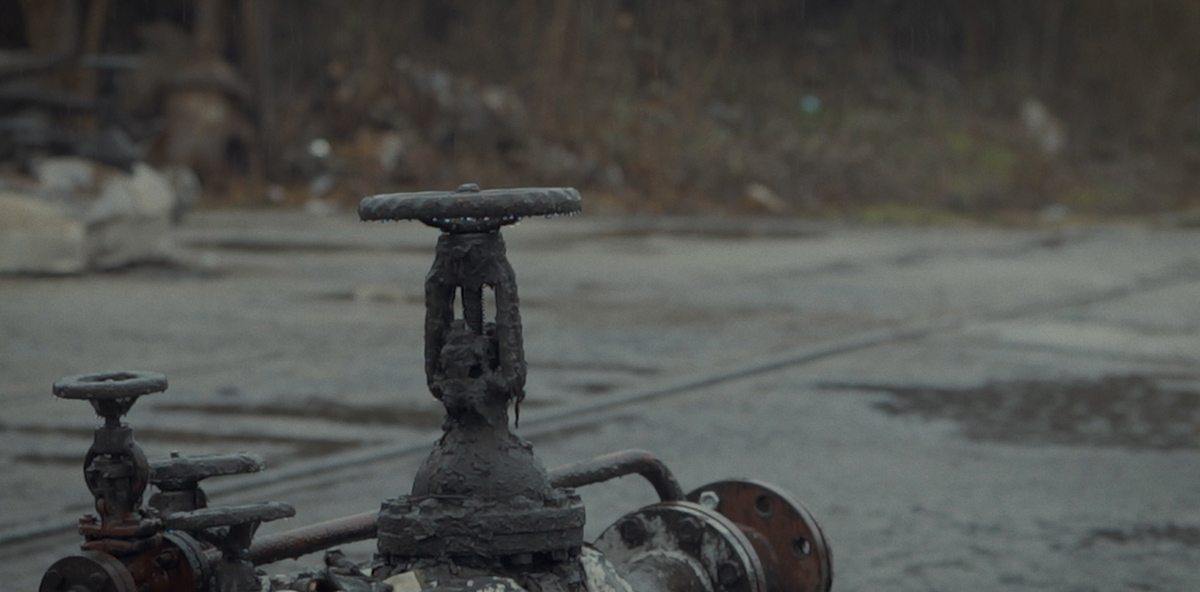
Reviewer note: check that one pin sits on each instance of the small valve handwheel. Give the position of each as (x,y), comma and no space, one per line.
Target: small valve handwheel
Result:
(469,209)
(115,469)
(783,532)
(110,385)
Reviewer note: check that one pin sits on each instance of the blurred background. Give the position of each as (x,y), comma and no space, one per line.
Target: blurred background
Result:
(885,110)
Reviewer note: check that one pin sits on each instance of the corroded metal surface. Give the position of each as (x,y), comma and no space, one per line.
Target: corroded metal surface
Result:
(178,478)
(464,267)
(229,516)
(793,548)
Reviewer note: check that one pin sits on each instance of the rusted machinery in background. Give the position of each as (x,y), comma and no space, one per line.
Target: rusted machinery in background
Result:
(482,513)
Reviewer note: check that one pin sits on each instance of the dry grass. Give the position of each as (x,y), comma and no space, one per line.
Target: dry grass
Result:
(695,101)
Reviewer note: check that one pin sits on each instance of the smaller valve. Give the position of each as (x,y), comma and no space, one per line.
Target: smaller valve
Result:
(176,543)
(115,469)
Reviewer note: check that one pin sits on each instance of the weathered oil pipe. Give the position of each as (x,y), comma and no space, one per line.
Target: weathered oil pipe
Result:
(313,538)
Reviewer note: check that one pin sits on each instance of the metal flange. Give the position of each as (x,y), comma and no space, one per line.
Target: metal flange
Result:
(91,571)
(786,536)
(682,546)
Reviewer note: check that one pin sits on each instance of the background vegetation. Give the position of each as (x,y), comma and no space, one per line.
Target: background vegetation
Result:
(885,109)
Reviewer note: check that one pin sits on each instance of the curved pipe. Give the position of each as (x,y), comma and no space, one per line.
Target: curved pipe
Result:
(620,464)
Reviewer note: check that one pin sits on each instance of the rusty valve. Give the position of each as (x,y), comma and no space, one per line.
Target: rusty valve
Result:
(115,469)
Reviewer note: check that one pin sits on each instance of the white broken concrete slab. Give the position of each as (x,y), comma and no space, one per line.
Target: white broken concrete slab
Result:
(56,228)
(65,173)
(37,238)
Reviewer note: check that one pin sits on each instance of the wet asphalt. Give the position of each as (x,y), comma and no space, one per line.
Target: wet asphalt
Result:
(960,408)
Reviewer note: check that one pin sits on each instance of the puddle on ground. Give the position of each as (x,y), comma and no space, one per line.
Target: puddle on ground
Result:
(1188,536)
(1133,411)
(591,388)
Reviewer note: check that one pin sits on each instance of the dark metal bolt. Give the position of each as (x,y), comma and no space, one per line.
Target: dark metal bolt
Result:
(762,505)
(96,581)
(801,548)
(632,532)
(688,530)
(166,560)
(729,573)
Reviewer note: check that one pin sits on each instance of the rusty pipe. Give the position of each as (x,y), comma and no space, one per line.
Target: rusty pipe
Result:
(310,539)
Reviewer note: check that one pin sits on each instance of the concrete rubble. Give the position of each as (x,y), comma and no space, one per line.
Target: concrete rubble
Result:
(81,217)
(35,237)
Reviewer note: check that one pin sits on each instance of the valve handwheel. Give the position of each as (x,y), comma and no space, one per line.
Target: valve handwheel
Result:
(111,393)
(469,209)
(110,385)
